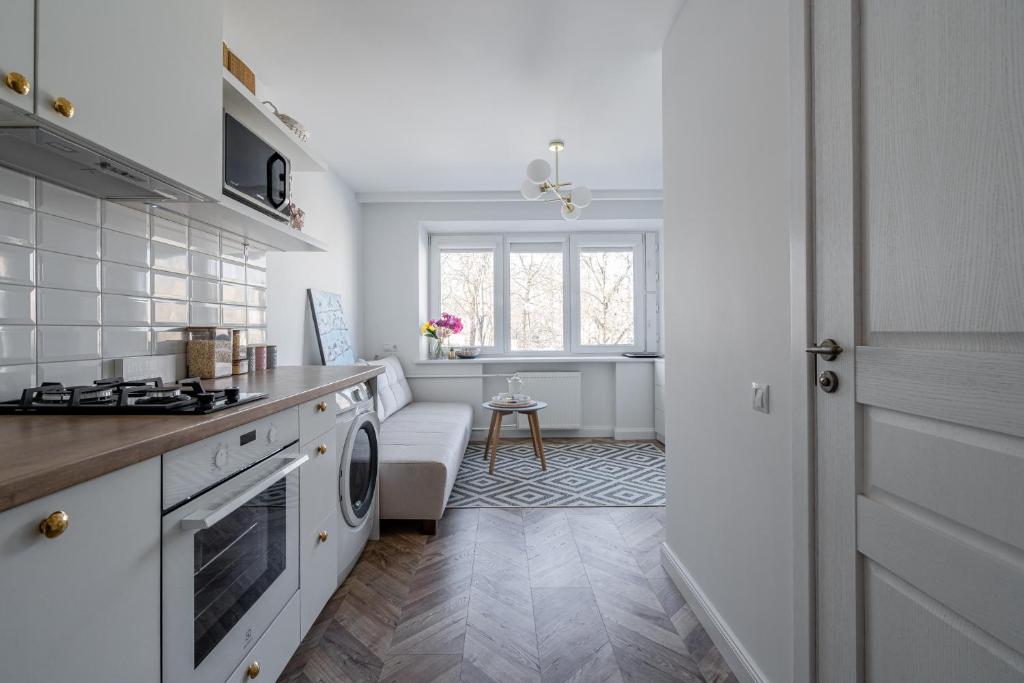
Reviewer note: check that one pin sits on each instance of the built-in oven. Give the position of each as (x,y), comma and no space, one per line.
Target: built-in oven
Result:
(230,548)
(255,172)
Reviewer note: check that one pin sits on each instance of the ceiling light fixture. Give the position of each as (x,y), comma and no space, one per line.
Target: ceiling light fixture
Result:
(536,186)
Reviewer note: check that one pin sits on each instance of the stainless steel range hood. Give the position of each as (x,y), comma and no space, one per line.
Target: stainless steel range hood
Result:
(53,156)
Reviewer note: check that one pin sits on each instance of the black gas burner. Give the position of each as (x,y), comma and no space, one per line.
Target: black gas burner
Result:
(115,396)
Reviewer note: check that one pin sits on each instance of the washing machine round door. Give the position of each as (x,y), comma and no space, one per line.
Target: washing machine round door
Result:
(357,477)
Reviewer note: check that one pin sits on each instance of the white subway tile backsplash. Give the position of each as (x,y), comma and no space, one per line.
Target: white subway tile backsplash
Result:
(122,279)
(204,265)
(17,306)
(124,248)
(18,343)
(232,294)
(124,219)
(17,188)
(256,296)
(232,315)
(71,373)
(256,335)
(17,265)
(170,286)
(257,316)
(168,340)
(68,272)
(68,342)
(169,232)
(17,225)
(125,310)
(233,249)
(67,236)
(207,291)
(206,242)
(200,314)
(60,201)
(125,341)
(255,276)
(67,307)
(171,258)
(15,378)
(256,256)
(170,312)
(232,272)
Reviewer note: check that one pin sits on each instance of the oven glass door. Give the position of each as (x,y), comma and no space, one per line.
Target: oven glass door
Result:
(230,566)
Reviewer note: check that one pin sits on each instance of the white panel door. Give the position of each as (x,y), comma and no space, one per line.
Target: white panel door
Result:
(145,79)
(918,157)
(17,51)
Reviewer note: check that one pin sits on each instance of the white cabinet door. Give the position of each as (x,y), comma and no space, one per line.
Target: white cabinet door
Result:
(84,606)
(318,567)
(17,48)
(145,79)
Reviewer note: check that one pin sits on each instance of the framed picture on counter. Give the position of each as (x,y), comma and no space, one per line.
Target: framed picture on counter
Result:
(333,335)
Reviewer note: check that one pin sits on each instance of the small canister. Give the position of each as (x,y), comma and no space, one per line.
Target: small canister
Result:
(271,356)
(250,360)
(238,362)
(261,356)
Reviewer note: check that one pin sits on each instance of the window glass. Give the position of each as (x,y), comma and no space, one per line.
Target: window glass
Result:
(606,301)
(535,299)
(467,291)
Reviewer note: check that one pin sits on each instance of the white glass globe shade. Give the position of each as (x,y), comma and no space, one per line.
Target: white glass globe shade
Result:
(538,171)
(530,190)
(570,215)
(582,196)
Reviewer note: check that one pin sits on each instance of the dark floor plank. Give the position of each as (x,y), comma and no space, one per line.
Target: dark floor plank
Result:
(422,669)
(571,637)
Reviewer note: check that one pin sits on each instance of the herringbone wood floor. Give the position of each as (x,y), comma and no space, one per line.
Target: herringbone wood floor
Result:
(512,594)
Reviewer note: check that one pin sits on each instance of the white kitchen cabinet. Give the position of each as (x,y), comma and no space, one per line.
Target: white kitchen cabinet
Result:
(17,52)
(318,567)
(144,77)
(85,605)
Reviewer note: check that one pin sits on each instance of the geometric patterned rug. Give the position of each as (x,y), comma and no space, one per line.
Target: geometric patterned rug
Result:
(580,474)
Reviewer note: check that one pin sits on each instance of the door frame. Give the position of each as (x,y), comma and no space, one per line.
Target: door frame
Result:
(801,316)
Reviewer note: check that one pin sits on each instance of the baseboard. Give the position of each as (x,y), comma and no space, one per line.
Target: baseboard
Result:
(633,434)
(598,432)
(736,656)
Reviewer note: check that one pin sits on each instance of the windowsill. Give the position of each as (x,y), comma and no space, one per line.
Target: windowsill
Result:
(523,360)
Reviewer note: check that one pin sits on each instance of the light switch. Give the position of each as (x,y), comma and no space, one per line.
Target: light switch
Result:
(391,348)
(760,398)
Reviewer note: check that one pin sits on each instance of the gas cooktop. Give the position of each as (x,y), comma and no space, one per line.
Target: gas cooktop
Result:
(115,396)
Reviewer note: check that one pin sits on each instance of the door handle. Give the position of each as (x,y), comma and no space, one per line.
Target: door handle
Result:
(204,519)
(827,349)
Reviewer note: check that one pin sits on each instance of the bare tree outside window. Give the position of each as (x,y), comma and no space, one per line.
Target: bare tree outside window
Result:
(606,297)
(535,297)
(467,290)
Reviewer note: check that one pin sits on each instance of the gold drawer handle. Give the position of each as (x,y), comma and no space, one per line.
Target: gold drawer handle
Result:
(321,449)
(321,407)
(18,83)
(323,536)
(54,525)
(63,106)
(254,670)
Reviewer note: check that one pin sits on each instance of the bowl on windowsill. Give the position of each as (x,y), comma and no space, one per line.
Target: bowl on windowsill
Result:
(467,352)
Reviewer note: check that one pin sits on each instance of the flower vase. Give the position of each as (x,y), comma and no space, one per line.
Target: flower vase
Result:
(437,349)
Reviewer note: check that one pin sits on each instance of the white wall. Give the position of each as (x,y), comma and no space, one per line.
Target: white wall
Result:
(332,215)
(729,517)
(394,281)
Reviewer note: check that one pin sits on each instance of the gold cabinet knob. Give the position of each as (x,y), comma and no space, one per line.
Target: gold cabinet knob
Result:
(321,407)
(254,670)
(63,106)
(321,449)
(18,83)
(54,525)
(323,536)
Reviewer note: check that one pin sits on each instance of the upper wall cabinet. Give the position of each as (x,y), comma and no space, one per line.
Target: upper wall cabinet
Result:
(17,48)
(139,77)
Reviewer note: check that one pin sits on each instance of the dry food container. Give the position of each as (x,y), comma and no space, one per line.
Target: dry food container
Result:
(208,352)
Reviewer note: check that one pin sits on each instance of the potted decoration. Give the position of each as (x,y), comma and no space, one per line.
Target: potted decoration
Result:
(438,331)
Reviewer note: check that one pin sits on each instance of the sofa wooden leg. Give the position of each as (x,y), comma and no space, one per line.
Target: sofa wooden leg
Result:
(429,527)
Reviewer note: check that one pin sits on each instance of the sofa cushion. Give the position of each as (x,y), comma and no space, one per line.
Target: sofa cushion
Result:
(420,452)
(392,387)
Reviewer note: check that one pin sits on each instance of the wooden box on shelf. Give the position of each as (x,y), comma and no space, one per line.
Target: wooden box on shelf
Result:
(239,69)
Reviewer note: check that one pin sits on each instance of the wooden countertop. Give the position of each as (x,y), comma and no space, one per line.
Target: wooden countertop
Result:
(42,454)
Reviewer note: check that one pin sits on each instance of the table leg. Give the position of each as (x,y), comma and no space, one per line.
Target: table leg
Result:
(538,441)
(490,433)
(495,440)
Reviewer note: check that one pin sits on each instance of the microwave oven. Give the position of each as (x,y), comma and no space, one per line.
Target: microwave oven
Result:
(254,172)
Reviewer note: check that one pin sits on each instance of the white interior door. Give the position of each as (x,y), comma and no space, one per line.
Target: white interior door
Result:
(918,169)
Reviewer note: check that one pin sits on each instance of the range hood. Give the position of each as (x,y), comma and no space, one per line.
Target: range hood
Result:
(53,156)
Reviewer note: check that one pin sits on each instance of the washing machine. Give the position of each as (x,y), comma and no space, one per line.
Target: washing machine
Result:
(357,427)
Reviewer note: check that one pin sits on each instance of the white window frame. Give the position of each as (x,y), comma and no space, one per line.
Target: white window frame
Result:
(500,244)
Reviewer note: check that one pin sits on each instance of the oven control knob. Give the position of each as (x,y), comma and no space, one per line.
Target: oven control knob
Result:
(254,670)
(272,434)
(220,458)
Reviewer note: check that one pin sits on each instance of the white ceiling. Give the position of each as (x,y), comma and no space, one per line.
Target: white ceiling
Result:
(459,95)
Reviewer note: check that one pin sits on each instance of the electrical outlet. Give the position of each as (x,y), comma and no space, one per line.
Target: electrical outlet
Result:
(391,348)
(759,401)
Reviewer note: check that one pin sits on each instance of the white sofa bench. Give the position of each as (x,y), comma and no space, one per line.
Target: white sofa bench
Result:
(420,449)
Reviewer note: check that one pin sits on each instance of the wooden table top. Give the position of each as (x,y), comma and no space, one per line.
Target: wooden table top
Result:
(42,454)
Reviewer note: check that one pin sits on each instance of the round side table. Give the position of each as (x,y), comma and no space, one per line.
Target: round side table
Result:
(494,433)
